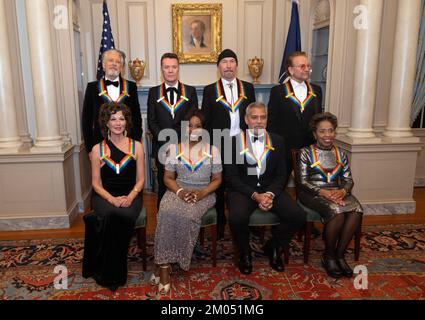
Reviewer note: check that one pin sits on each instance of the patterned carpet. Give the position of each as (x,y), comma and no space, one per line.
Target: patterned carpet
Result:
(393,255)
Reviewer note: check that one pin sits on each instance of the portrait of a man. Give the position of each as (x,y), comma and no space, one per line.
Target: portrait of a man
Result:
(197,30)
(196,34)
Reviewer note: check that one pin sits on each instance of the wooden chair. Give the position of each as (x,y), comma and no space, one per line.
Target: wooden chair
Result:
(313,216)
(140,228)
(209,220)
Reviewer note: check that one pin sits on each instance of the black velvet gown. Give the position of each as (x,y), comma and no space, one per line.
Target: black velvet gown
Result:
(109,229)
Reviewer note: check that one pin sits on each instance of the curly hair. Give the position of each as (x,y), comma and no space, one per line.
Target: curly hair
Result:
(195,112)
(319,117)
(107,110)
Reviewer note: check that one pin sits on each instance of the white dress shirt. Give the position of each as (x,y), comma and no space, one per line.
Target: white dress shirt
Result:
(300,89)
(176,85)
(234,116)
(114,92)
(257,149)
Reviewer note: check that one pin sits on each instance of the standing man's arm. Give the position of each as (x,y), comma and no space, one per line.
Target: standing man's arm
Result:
(153,122)
(193,99)
(136,116)
(272,112)
(251,95)
(206,109)
(87,120)
(319,99)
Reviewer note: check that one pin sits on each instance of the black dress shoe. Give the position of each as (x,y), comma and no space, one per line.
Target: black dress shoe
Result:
(275,256)
(345,268)
(245,264)
(331,267)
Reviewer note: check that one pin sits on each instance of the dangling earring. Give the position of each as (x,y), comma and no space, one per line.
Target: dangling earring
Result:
(109,134)
(125,133)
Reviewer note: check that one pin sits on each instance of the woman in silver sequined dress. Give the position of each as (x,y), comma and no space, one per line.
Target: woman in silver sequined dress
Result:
(325,186)
(192,174)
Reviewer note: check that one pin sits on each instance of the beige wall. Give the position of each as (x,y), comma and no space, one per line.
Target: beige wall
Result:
(143,29)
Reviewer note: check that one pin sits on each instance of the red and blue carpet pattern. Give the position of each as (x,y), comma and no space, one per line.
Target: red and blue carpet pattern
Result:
(394,257)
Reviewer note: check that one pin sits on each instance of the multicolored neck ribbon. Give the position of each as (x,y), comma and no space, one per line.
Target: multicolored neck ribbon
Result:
(172,109)
(222,100)
(268,147)
(329,175)
(118,167)
(193,166)
(289,94)
(104,92)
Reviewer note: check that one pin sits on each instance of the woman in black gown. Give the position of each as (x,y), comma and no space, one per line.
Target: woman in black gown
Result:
(117,178)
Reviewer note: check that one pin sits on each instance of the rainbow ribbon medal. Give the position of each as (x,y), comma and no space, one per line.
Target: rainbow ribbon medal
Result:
(118,167)
(221,99)
(268,147)
(104,92)
(329,175)
(193,166)
(172,109)
(289,94)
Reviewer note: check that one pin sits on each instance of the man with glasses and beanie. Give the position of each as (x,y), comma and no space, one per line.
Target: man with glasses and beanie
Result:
(224,103)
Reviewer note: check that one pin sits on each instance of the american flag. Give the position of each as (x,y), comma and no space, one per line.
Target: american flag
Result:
(107,39)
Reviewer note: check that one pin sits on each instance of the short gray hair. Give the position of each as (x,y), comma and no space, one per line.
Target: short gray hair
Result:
(121,53)
(253,105)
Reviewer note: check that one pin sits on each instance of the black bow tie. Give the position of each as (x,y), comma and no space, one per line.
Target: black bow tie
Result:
(257,138)
(112,83)
(171,90)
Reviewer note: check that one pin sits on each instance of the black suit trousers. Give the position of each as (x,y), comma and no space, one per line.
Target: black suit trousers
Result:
(291,217)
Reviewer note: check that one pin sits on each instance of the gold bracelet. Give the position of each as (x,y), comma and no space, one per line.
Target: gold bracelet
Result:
(135,190)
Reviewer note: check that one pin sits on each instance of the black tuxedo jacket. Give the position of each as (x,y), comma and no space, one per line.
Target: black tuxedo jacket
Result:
(273,179)
(91,107)
(160,117)
(285,117)
(216,115)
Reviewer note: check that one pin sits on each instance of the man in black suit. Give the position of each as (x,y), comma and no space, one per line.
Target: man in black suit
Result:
(168,104)
(111,88)
(224,103)
(256,179)
(293,104)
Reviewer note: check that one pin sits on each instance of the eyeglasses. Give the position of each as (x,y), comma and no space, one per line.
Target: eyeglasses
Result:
(303,66)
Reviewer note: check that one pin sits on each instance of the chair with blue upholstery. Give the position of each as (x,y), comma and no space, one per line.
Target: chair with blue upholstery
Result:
(313,216)
(262,219)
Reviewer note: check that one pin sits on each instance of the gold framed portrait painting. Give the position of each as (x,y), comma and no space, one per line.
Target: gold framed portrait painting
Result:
(197,32)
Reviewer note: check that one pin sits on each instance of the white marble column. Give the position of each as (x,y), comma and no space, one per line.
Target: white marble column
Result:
(403,72)
(366,73)
(39,23)
(9,136)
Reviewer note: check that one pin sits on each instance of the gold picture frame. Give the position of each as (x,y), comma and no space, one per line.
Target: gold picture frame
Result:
(197,32)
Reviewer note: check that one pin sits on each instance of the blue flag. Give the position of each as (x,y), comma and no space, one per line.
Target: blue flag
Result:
(293,40)
(107,42)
